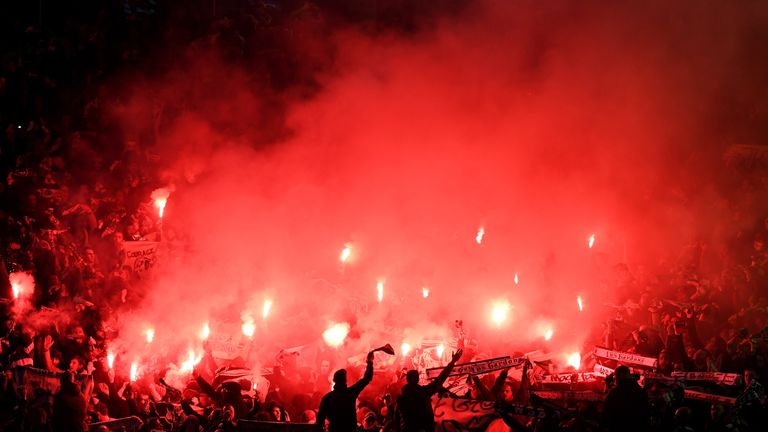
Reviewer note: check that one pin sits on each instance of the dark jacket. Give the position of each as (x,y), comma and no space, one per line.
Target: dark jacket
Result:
(626,408)
(68,410)
(338,406)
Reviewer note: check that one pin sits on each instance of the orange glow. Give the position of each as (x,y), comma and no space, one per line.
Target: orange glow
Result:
(345,253)
(405,348)
(500,312)
(440,350)
(192,360)
(335,334)
(480,235)
(134,371)
(574,360)
(248,328)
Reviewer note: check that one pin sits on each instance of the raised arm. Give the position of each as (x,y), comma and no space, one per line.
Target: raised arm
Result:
(435,385)
(367,376)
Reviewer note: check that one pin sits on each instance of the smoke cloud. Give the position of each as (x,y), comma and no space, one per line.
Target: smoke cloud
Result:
(542,123)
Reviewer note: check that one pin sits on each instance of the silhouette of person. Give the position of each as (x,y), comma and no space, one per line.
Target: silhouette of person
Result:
(338,405)
(414,404)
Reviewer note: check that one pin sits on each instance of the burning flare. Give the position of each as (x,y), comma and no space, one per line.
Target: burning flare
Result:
(134,371)
(425,292)
(591,241)
(380,290)
(266,308)
(548,334)
(517,279)
(248,327)
(192,360)
(160,198)
(110,359)
(581,305)
(335,334)
(500,312)
(574,359)
(21,284)
(206,332)
(480,235)
(150,335)
(345,253)
(440,350)
(405,348)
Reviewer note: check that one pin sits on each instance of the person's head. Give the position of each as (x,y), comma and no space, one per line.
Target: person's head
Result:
(228,413)
(622,375)
(716,412)
(507,394)
(76,364)
(749,376)
(340,378)
(277,413)
(664,360)
(77,334)
(369,421)
(325,368)
(700,359)
(90,256)
(102,412)
(309,416)
(412,377)
(683,416)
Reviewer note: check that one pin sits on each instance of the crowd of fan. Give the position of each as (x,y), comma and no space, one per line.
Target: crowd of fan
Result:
(69,200)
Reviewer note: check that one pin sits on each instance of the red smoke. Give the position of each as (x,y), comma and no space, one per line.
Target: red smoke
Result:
(541,123)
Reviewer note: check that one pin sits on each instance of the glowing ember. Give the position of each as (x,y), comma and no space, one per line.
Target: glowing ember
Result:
(500,312)
(160,198)
(517,279)
(205,332)
(335,334)
(548,334)
(150,335)
(425,292)
(16,288)
(440,350)
(581,305)
(134,371)
(380,290)
(574,360)
(248,328)
(345,253)
(189,364)
(405,348)
(479,236)
(266,308)
(591,241)
(110,359)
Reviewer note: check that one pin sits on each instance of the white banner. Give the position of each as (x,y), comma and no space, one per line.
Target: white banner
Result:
(602,371)
(478,367)
(715,377)
(625,357)
(141,256)
(722,400)
(462,414)
(567,378)
(571,395)
(227,341)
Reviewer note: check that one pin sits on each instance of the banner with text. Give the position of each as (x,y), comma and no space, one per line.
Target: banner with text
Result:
(625,357)
(479,367)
